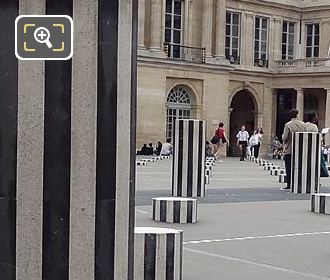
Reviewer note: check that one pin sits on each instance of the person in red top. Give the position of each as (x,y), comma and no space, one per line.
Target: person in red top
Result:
(221,145)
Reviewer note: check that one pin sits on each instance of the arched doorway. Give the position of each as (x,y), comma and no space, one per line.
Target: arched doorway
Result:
(243,108)
(178,106)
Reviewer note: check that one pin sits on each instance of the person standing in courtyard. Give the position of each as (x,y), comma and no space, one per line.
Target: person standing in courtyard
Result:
(259,136)
(253,143)
(221,139)
(242,141)
(294,125)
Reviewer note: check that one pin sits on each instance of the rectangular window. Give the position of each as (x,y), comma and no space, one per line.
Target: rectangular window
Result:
(312,40)
(173,26)
(261,42)
(232,47)
(287,40)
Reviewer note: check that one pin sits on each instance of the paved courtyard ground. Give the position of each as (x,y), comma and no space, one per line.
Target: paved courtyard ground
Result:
(247,227)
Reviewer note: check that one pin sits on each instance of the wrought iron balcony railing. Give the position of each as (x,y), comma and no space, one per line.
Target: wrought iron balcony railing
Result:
(185,53)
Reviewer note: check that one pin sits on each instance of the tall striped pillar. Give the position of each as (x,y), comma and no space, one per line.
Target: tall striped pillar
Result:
(305,162)
(188,179)
(66,176)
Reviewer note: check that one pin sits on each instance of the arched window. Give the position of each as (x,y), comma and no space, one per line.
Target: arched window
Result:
(178,106)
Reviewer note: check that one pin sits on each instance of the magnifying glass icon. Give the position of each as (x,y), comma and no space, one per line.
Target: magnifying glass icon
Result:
(42,35)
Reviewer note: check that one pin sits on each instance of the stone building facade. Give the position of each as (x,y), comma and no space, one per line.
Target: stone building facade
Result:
(232,61)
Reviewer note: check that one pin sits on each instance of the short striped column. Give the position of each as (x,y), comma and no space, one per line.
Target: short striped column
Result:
(264,163)
(178,210)
(276,172)
(305,162)
(158,254)
(188,179)
(141,163)
(271,167)
(282,178)
(320,203)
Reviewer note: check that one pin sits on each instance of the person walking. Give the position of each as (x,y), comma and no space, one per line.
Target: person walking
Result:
(294,125)
(259,136)
(253,143)
(242,141)
(221,140)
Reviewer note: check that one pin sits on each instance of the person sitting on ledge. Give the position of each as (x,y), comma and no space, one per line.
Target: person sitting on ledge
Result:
(150,149)
(144,150)
(166,148)
(158,148)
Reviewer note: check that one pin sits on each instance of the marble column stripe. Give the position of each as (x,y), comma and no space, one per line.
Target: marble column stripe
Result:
(305,162)
(188,178)
(174,210)
(8,138)
(320,203)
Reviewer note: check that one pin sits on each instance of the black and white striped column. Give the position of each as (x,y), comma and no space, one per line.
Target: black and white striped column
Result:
(320,203)
(188,179)
(305,162)
(158,254)
(66,202)
(174,210)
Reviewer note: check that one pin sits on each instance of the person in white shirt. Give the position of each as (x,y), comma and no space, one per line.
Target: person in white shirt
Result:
(242,140)
(253,143)
(167,148)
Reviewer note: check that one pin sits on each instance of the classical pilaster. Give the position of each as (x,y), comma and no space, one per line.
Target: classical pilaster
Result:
(220,29)
(248,38)
(271,45)
(277,49)
(327,115)
(300,103)
(141,31)
(156,26)
(325,38)
(207,26)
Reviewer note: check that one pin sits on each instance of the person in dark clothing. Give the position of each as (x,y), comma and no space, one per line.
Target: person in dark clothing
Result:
(144,150)
(158,148)
(150,149)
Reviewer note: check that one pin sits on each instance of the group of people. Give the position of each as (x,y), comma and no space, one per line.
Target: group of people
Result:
(253,142)
(164,149)
(296,125)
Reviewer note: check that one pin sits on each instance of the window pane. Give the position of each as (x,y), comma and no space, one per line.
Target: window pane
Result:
(316,52)
(256,46)
(168,35)
(264,23)
(168,21)
(309,40)
(235,18)
(177,22)
(263,56)
(227,42)
(263,46)
(309,29)
(256,34)
(228,17)
(317,29)
(176,37)
(309,52)
(177,7)
(316,40)
(235,54)
(235,43)
(256,55)
(285,26)
(284,38)
(291,27)
(290,49)
(283,57)
(284,49)
(264,35)
(257,23)
(291,39)
(235,31)
(169,6)
(227,29)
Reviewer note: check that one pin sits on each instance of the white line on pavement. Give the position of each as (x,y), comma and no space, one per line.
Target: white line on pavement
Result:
(141,211)
(256,237)
(263,265)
